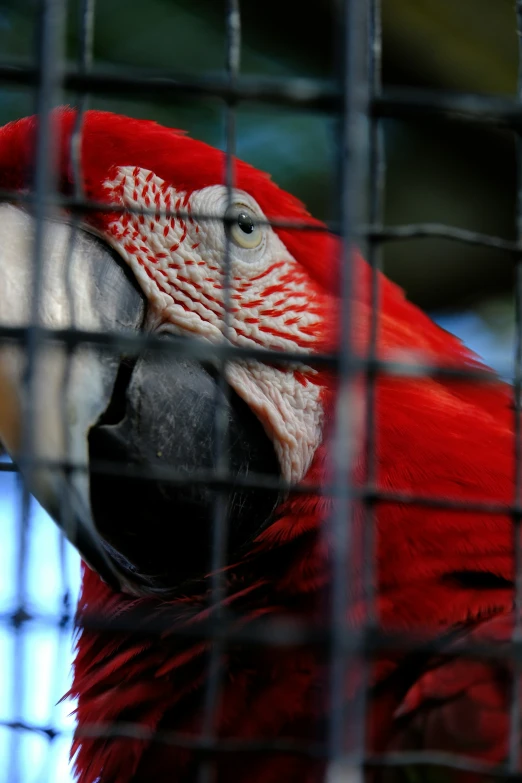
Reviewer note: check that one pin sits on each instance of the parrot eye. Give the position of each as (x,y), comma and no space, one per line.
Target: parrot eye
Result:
(241,224)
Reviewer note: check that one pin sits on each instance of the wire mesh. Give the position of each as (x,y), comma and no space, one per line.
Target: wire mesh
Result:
(356,97)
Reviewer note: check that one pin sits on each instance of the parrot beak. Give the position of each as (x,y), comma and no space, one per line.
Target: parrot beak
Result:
(92,405)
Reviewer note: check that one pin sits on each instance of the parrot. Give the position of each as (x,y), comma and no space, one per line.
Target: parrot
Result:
(152,259)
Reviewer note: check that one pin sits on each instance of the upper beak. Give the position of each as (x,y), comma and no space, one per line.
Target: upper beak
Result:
(91,403)
(44,422)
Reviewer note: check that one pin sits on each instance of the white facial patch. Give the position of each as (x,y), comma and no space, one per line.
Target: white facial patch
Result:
(179,264)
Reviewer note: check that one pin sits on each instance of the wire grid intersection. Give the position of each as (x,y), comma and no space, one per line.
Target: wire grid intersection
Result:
(357,98)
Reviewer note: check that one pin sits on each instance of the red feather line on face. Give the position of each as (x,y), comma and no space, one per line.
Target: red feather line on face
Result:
(445,438)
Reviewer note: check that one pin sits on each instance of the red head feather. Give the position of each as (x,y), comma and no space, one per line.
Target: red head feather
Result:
(110,141)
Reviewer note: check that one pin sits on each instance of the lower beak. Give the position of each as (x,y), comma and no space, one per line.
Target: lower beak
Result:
(93,405)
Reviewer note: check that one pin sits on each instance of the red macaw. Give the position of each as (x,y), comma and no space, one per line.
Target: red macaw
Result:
(440,572)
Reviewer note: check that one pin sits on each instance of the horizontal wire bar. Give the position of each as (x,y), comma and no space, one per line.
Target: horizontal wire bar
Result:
(83,205)
(411,103)
(393,102)
(317,94)
(49,731)
(440,231)
(216,746)
(426,758)
(378,234)
(215,481)
(207,352)
(132,343)
(287,632)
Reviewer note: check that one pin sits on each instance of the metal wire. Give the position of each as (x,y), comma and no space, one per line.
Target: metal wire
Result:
(213,690)
(359,101)
(515,724)
(346,723)
(313,94)
(50,61)
(86,32)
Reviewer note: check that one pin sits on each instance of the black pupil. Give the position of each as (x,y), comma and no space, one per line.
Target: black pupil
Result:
(245,222)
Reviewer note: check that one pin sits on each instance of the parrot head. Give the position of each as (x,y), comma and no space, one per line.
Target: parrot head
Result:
(154,262)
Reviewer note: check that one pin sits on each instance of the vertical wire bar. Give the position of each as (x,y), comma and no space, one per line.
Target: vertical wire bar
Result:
(68,519)
(50,68)
(353,160)
(514,735)
(220,516)
(374,257)
(86,40)
(18,689)
(85,58)
(50,65)
(376,183)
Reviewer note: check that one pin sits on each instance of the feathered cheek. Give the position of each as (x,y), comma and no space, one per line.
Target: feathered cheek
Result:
(178,262)
(289,406)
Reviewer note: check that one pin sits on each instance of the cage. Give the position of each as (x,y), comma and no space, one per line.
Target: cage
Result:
(233,77)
